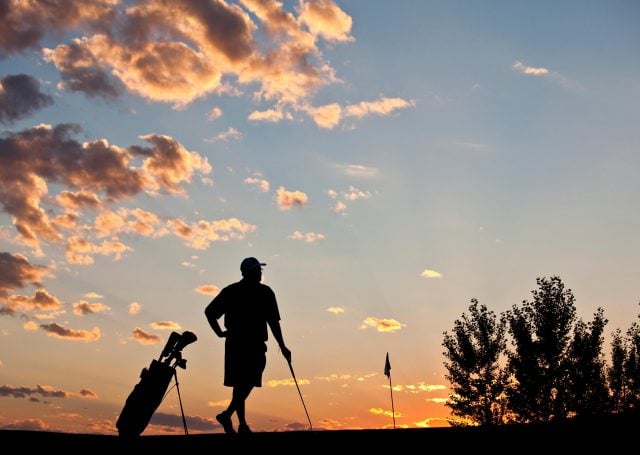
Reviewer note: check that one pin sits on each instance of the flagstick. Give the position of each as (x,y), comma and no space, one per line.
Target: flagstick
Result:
(393,410)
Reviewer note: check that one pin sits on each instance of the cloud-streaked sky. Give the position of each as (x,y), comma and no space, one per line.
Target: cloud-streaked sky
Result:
(389,161)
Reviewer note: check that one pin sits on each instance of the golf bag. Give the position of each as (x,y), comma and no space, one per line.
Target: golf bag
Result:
(147,395)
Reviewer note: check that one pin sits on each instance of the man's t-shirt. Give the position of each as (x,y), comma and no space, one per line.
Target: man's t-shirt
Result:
(246,308)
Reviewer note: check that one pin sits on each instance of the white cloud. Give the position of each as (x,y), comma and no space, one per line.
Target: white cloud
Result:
(335,310)
(428,273)
(257,181)
(230,133)
(92,295)
(353,194)
(530,70)
(357,170)
(309,237)
(382,106)
(476,147)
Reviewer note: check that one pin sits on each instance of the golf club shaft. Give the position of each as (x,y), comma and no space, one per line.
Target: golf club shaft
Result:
(300,393)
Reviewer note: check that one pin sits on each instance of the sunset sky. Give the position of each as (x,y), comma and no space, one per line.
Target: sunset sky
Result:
(388,160)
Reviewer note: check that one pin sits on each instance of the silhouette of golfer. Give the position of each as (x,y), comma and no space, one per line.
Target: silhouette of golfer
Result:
(248,306)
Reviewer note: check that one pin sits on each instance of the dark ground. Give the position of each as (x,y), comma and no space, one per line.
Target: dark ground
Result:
(611,433)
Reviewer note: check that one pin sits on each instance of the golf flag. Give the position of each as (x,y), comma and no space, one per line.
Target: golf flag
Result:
(387,367)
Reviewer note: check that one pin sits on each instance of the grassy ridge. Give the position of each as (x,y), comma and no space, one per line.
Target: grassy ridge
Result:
(592,435)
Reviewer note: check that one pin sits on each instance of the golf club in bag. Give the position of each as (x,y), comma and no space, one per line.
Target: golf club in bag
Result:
(147,395)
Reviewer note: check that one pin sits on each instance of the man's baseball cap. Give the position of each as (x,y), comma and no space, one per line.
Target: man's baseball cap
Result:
(251,263)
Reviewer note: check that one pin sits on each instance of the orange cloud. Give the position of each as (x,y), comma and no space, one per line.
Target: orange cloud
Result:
(136,221)
(269,115)
(58,331)
(199,235)
(309,237)
(109,223)
(382,325)
(87,393)
(66,221)
(335,310)
(334,377)
(218,404)
(47,153)
(27,424)
(30,326)
(134,308)
(170,164)
(17,272)
(214,114)
(83,308)
(74,200)
(81,251)
(327,116)
(529,70)
(149,52)
(288,199)
(40,301)
(165,325)
(326,19)
(145,338)
(24,24)
(432,422)
(208,289)
(287,382)
(339,207)
(419,388)
(380,411)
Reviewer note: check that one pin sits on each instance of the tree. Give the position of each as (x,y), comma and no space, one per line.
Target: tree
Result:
(540,332)
(473,351)
(585,367)
(632,368)
(616,373)
(624,373)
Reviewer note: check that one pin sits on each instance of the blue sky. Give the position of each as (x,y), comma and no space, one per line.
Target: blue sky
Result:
(429,153)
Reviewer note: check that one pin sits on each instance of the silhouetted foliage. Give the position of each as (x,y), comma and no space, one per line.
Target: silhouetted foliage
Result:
(618,386)
(473,351)
(624,373)
(556,369)
(540,332)
(587,392)
(632,368)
